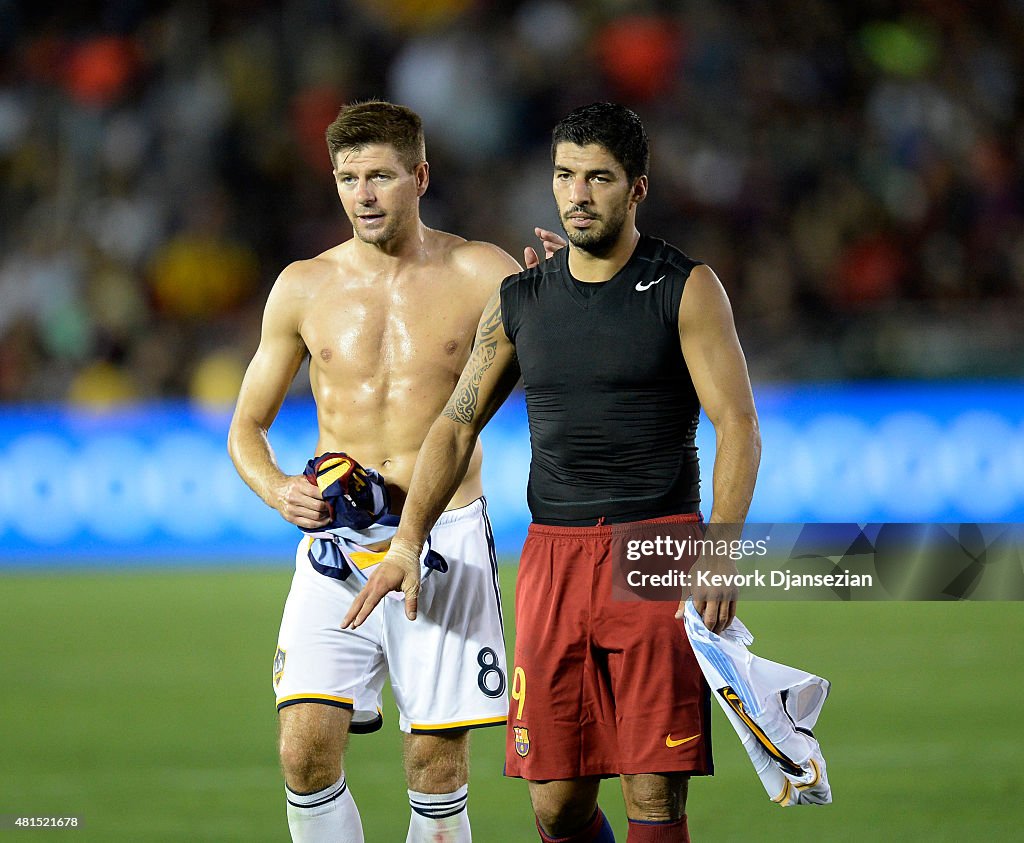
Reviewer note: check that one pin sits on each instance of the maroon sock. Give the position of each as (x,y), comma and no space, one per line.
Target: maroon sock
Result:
(654,832)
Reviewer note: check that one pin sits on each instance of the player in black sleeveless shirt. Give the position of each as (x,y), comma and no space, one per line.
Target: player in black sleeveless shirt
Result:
(612,409)
(620,340)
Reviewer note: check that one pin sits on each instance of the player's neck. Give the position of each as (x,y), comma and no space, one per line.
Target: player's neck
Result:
(587,267)
(405,245)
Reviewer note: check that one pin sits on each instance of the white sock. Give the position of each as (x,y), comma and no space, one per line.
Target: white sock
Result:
(439,817)
(327,816)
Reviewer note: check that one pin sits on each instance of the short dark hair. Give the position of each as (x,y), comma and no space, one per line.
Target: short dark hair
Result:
(376,121)
(615,127)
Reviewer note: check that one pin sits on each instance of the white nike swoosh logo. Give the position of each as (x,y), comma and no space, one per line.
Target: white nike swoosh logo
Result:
(640,286)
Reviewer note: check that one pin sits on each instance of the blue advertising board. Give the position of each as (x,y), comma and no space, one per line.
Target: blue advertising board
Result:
(153,484)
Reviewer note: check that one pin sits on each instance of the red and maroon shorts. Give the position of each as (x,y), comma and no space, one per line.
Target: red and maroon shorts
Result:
(600,687)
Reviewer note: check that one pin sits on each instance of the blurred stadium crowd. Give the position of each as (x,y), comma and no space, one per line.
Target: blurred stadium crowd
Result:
(854,172)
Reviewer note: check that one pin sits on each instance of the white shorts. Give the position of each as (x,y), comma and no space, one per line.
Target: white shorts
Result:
(447,668)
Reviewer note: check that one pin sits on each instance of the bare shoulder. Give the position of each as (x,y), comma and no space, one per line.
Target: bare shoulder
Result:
(483,262)
(702,287)
(298,285)
(703,279)
(301,278)
(294,276)
(705,301)
(301,273)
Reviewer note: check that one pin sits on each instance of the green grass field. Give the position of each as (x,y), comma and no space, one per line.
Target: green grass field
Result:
(142,703)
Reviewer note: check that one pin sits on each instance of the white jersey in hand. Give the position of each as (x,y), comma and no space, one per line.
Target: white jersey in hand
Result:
(771,706)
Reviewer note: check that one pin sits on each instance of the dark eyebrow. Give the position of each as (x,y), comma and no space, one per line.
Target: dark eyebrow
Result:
(380,171)
(589,173)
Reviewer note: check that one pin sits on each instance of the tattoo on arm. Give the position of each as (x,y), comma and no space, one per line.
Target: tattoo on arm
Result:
(462,406)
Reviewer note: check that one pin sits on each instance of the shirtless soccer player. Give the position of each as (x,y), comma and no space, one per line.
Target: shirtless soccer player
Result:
(387,320)
(619,339)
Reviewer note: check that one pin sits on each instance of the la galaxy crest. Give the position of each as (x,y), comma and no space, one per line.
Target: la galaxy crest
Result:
(522,740)
(278,666)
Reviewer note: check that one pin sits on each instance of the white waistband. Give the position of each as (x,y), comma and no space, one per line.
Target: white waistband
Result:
(463,513)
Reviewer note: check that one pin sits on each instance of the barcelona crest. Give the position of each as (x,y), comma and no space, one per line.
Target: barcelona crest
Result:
(278,666)
(522,740)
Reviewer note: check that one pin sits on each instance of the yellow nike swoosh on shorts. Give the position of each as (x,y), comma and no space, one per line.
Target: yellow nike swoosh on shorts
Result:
(671,743)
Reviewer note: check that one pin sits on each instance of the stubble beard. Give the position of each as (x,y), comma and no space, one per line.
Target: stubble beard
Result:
(598,243)
(396,222)
(379,236)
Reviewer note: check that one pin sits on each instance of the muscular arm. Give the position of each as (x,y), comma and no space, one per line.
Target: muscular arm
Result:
(487,379)
(264,387)
(719,370)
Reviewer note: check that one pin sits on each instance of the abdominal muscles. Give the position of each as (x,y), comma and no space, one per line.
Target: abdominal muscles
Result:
(382,422)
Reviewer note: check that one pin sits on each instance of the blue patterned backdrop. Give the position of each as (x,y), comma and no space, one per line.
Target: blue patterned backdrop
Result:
(154,484)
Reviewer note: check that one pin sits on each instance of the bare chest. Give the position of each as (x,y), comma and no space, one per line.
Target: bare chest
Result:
(358,333)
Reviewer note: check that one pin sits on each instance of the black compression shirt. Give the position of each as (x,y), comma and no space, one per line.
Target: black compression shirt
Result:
(612,409)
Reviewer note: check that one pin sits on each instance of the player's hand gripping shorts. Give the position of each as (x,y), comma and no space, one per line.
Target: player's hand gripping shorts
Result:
(447,668)
(600,687)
